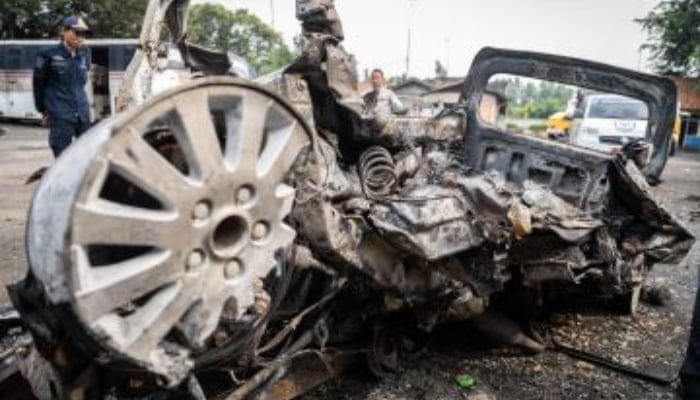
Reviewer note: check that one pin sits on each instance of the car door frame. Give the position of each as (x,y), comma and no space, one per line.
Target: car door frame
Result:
(658,93)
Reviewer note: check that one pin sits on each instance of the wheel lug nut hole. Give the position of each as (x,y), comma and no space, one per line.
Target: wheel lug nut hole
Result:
(245,194)
(260,231)
(233,269)
(195,259)
(201,211)
(229,235)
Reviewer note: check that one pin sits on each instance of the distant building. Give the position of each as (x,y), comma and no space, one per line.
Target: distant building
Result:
(689,104)
(493,108)
(411,93)
(417,94)
(411,88)
(446,94)
(688,93)
(443,81)
(427,97)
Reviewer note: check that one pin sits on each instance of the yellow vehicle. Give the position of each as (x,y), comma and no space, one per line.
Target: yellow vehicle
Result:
(676,138)
(559,122)
(559,126)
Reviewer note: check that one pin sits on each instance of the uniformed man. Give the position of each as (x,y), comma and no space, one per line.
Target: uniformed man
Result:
(382,101)
(60,74)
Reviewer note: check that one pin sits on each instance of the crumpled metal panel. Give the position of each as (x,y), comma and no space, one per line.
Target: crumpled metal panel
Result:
(432,222)
(550,212)
(320,16)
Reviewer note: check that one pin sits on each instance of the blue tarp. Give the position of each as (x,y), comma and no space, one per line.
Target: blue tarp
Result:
(691,143)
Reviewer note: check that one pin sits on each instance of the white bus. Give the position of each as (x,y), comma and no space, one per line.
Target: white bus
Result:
(110,57)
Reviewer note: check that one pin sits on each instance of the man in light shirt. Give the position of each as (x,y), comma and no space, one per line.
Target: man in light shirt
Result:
(381,101)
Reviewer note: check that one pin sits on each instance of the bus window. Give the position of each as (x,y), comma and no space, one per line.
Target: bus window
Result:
(120,56)
(128,55)
(3,56)
(113,54)
(30,57)
(14,58)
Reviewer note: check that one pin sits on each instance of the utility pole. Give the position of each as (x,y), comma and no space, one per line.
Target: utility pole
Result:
(272,13)
(411,3)
(408,53)
(447,55)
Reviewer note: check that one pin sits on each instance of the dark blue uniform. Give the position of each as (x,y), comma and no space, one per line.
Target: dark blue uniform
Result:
(59,92)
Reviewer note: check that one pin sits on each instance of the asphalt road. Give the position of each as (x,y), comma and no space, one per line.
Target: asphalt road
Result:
(23,149)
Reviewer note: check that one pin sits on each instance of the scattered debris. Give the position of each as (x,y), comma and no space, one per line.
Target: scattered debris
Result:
(237,229)
(657,292)
(480,396)
(587,358)
(465,382)
(36,175)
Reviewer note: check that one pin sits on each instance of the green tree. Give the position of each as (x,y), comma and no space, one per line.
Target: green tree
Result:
(115,18)
(34,19)
(674,37)
(531,98)
(240,32)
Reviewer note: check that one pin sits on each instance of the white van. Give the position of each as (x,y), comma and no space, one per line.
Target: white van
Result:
(610,121)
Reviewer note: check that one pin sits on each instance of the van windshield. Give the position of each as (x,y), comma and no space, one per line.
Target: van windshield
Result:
(618,109)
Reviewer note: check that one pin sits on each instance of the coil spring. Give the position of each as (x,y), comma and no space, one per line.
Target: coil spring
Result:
(377,172)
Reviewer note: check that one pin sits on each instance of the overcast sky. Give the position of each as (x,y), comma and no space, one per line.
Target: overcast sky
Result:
(452,31)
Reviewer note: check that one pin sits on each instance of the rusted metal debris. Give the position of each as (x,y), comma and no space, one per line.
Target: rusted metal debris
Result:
(311,372)
(204,242)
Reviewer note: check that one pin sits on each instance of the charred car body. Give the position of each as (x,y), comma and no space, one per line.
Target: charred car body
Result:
(229,228)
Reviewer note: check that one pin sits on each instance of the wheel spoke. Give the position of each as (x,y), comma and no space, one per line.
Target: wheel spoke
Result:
(106,288)
(142,165)
(198,139)
(244,141)
(149,325)
(262,256)
(103,222)
(285,236)
(127,330)
(285,194)
(206,322)
(281,150)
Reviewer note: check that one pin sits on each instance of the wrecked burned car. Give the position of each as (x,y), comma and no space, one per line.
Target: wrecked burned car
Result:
(207,240)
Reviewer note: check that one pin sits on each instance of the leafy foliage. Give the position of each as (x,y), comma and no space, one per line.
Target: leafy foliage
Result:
(674,37)
(530,98)
(240,32)
(34,19)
